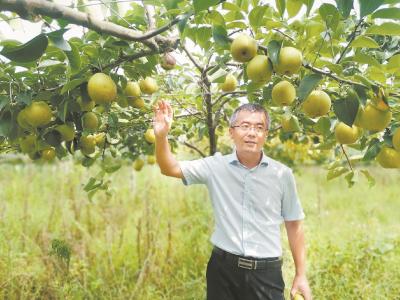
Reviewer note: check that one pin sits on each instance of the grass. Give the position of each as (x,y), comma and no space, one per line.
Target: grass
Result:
(149,239)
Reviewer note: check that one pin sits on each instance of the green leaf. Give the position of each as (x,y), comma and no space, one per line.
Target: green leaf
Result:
(57,39)
(217,18)
(344,6)
(6,123)
(394,62)
(346,109)
(373,149)
(365,59)
(293,7)
(330,15)
(220,36)
(30,51)
(74,58)
(70,85)
(323,126)
(336,172)
(387,13)
(256,16)
(308,83)
(182,24)
(371,180)
(200,5)
(309,4)
(203,36)
(367,6)
(281,6)
(349,178)
(389,28)
(4,100)
(363,41)
(24,97)
(274,48)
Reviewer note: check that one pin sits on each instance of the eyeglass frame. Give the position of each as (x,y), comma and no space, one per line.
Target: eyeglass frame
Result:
(245,130)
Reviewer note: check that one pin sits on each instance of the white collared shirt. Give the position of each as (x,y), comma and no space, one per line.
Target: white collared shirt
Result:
(249,204)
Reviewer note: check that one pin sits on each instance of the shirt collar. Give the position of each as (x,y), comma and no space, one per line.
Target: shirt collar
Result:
(233,159)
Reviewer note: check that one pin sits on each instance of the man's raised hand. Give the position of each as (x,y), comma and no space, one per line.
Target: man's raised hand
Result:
(162,119)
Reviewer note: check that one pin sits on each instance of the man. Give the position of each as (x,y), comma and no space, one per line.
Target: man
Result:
(251,195)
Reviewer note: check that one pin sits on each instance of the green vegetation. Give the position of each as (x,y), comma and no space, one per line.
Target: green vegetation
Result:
(144,241)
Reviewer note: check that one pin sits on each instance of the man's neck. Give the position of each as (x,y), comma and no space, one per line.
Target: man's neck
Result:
(250,160)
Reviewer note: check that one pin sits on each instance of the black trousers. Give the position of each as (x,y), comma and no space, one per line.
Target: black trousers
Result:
(227,281)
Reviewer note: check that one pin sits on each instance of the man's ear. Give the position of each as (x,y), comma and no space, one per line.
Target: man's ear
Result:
(231,132)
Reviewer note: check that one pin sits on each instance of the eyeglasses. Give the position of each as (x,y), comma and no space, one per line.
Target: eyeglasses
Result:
(259,129)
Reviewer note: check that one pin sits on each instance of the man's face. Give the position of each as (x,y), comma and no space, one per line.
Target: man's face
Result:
(249,132)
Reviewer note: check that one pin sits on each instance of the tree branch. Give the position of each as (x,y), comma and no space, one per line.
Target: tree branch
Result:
(352,37)
(150,18)
(331,75)
(192,59)
(41,7)
(188,115)
(132,57)
(347,158)
(227,94)
(284,34)
(194,148)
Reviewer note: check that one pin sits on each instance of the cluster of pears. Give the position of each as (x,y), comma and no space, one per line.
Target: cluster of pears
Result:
(40,134)
(139,162)
(36,115)
(259,70)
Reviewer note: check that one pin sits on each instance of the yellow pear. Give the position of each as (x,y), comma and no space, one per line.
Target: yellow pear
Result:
(396,139)
(38,114)
(48,154)
(28,143)
(86,105)
(101,88)
(21,120)
(318,103)
(358,118)
(374,119)
(138,164)
(132,89)
(345,134)
(88,144)
(388,158)
(230,83)
(283,93)
(168,61)
(243,48)
(290,124)
(122,101)
(290,60)
(90,121)
(67,132)
(137,103)
(151,159)
(298,297)
(100,139)
(148,85)
(149,136)
(259,69)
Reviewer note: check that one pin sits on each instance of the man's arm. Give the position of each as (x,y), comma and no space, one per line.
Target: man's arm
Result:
(162,122)
(295,235)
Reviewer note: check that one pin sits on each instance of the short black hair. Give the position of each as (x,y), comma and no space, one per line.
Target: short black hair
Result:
(251,107)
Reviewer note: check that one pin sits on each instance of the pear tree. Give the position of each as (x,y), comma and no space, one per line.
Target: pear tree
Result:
(328,74)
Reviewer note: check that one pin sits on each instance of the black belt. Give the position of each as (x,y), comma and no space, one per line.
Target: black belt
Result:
(248,263)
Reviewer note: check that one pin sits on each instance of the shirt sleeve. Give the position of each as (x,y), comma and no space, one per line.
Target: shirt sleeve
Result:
(195,171)
(291,206)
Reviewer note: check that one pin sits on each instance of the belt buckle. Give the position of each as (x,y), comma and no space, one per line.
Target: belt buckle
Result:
(246,263)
